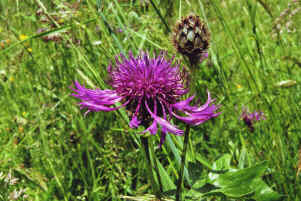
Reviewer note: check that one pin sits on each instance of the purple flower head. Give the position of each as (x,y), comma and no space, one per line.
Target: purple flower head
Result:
(250,118)
(150,89)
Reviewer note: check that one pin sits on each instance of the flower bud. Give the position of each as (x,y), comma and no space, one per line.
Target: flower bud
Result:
(191,38)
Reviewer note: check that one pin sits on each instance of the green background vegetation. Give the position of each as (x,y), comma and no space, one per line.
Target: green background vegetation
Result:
(59,154)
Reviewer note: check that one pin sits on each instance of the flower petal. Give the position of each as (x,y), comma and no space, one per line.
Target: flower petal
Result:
(162,138)
(96,99)
(164,124)
(183,105)
(134,123)
(196,114)
(152,128)
(196,119)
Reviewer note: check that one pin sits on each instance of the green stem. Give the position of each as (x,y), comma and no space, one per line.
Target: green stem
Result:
(154,184)
(193,80)
(161,17)
(183,160)
(152,152)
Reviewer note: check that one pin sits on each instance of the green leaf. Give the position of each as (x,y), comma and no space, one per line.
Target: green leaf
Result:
(234,192)
(165,178)
(238,177)
(243,182)
(199,184)
(177,156)
(222,163)
(193,193)
(263,192)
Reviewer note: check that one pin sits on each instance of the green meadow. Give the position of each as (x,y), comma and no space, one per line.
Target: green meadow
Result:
(50,150)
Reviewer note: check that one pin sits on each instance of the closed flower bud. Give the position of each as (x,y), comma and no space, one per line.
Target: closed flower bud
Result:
(191,38)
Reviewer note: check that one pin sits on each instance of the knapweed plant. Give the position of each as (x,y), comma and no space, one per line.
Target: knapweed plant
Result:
(153,90)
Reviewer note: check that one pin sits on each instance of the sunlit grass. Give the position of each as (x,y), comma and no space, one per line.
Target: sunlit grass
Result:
(59,154)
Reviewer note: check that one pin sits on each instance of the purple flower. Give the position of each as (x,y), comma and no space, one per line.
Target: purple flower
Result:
(250,118)
(150,89)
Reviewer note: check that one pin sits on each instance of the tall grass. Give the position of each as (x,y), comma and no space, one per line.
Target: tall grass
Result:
(57,153)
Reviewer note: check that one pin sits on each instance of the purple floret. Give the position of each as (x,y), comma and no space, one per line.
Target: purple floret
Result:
(251,118)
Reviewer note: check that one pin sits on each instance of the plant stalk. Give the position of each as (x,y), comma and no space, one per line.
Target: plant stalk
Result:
(160,16)
(152,152)
(183,160)
(154,184)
